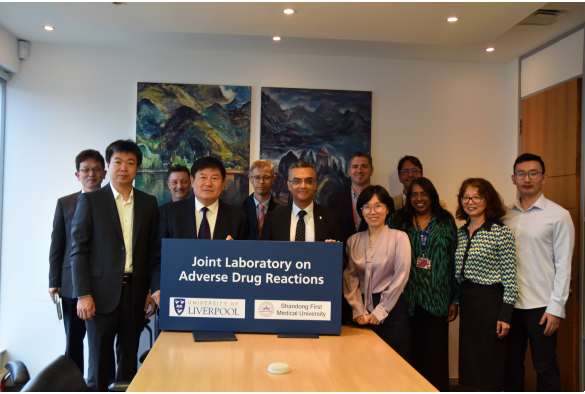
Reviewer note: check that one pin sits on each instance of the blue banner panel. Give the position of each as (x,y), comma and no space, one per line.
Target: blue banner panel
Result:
(251,286)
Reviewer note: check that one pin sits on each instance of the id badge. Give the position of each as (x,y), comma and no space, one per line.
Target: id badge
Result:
(423,262)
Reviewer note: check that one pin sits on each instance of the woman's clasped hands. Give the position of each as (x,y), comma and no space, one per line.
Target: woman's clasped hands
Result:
(367,319)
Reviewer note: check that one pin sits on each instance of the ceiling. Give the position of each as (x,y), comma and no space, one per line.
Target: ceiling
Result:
(377,30)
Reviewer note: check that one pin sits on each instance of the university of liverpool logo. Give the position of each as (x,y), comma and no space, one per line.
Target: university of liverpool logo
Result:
(179,305)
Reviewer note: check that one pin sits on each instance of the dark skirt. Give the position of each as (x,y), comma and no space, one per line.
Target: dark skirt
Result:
(395,330)
(482,355)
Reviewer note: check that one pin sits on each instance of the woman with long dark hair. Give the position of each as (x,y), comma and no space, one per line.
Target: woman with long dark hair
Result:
(431,292)
(485,266)
(377,271)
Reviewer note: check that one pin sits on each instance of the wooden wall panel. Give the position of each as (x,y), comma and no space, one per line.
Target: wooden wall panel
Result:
(562,190)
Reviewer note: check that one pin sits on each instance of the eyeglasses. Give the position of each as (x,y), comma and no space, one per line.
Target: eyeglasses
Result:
(308,181)
(258,178)
(413,171)
(531,175)
(414,196)
(379,208)
(86,171)
(475,199)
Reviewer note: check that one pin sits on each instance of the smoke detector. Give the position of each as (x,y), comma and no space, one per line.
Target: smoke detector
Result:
(544,17)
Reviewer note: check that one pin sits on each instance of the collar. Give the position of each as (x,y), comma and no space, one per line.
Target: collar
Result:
(354,195)
(116,194)
(403,196)
(212,208)
(309,209)
(487,225)
(265,203)
(540,203)
(82,191)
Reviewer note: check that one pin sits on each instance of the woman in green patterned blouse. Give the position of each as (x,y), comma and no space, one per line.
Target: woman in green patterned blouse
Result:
(431,291)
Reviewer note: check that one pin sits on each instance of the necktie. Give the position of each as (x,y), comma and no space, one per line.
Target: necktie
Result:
(204,230)
(300,235)
(260,218)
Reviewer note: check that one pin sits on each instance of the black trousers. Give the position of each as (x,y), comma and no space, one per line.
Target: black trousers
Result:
(394,331)
(124,325)
(74,331)
(429,336)
(526,327)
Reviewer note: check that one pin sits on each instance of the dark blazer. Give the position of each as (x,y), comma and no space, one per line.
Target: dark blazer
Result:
(98,253)
(343,203)
(328,224)
(177,220)
(249,206)
(60,266)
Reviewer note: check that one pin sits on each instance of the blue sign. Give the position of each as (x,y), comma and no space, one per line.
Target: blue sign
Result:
(251,286)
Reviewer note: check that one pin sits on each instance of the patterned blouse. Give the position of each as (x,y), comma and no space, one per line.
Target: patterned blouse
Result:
(489,257)
(433,290)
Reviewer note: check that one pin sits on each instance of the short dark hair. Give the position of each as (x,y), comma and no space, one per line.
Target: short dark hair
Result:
(404,216)
(177,169)
(89,154)
(495,208)
(124,146)
(207,162)
(529,157)
(369,192)
(412,159)
(302,164)
(361,154)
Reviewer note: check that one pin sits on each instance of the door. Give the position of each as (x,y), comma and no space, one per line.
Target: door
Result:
(551,128)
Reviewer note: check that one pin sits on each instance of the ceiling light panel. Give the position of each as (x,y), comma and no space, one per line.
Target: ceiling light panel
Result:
(48,28)
(289,11)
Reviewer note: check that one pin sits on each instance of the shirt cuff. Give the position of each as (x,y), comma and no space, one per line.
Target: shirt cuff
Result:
(555,309)
(506,313)
(380,313)
(80,297)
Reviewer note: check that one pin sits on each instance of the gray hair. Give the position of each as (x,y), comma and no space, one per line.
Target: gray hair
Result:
(302,164)
(262,164)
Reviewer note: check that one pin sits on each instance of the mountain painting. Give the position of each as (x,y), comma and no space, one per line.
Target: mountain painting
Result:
(178,123)
(324,127)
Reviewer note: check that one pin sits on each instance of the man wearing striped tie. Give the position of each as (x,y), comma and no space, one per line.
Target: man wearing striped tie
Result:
(258,204)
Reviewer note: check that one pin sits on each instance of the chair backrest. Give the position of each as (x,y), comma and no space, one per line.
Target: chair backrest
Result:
(61,375)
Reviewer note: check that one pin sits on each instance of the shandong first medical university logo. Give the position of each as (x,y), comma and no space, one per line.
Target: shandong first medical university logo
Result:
(179,305)
(266,309)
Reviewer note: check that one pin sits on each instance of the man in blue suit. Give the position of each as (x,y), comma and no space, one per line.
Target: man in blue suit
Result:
(258,204)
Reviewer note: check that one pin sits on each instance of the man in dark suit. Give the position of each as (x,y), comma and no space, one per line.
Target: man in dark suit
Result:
(90,172)
(114,263)
(344,201)
(204,215)
(259,203)
(305,220)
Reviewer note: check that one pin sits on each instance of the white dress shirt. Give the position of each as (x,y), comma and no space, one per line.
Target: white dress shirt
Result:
(211,215)
(126,213)
(309,222)
(545,237)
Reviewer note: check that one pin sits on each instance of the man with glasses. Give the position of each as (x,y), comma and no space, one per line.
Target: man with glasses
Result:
(90,172)
(258,204)
(409,168)
(545,238)
(304,221)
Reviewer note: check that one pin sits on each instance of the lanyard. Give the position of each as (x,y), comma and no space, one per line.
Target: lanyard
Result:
(424,235)
(353,211)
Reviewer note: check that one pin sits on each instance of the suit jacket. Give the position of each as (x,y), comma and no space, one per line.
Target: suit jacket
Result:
(328,224)
(60,265)
(98,254)
(249,206)
(178,221)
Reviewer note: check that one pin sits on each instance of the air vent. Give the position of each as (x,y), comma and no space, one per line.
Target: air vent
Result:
(545,17)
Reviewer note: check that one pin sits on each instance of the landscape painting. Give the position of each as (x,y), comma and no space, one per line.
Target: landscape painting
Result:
(324,127)
(178,123)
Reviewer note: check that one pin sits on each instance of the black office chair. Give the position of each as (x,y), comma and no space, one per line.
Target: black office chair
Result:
(18,375)
(61,375)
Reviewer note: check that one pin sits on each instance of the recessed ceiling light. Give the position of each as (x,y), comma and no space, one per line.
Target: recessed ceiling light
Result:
(49,28)
(276,38)
(452,19)
(490,49)
(289,11)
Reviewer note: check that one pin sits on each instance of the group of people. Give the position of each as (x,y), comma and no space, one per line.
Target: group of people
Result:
(407,268)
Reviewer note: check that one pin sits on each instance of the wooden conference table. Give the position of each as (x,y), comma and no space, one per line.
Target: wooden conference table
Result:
(357,360)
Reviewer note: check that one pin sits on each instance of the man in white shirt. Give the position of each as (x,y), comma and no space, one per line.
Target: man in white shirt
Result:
(545,237)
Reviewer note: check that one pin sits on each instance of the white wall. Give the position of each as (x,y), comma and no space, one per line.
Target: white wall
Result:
(453,116)
(9,60)
(555,64)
